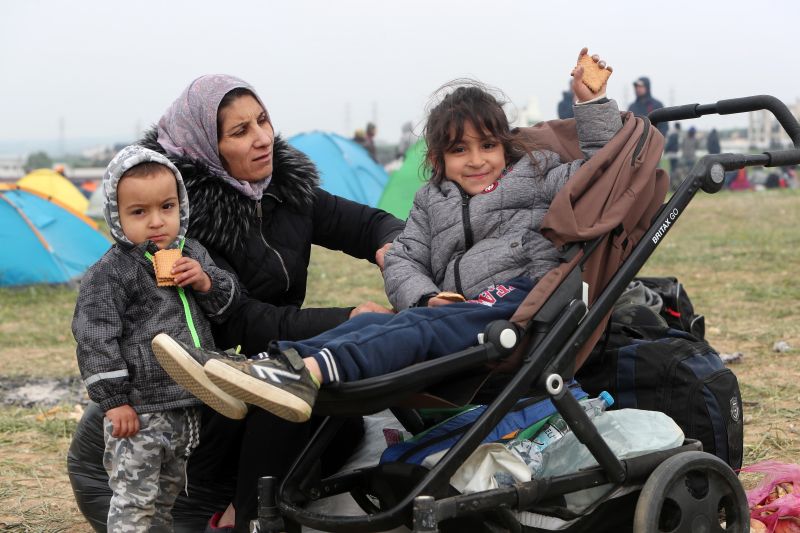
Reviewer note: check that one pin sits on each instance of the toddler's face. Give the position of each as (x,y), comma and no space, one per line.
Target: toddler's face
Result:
(475,162)
(149,208)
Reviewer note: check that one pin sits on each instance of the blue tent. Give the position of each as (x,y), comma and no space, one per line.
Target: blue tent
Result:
(43,242)
(346,169)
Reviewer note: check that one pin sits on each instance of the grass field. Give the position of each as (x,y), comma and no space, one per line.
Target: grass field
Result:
(735,254)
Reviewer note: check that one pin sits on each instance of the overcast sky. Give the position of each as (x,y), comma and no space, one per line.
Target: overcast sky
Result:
(107,69)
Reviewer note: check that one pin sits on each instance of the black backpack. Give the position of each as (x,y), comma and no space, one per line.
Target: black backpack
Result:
(659,368)
(677,310)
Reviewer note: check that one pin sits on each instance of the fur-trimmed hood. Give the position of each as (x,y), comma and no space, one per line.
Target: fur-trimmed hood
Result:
(221,216)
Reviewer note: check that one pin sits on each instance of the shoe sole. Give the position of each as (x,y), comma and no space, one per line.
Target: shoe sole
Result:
(257,392)
(190,375)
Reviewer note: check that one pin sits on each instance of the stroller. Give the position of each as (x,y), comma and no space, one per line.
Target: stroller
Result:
(680,489)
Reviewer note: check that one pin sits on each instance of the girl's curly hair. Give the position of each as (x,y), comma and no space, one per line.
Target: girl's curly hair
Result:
(462,101)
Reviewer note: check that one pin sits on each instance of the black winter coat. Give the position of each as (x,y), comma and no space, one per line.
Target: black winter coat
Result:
(267,243)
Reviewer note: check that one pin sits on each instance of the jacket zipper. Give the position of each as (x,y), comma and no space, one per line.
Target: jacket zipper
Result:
(280,259)
(187,312)
(468,238)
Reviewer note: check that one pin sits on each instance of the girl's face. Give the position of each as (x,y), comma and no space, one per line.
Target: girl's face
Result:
(245,140)
(475,161)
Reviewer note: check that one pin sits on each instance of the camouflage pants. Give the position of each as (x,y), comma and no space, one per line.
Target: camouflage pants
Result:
(147,471)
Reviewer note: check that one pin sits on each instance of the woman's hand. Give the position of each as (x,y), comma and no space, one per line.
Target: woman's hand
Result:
(124,420)
(370,307)
(380,253)
(187,271)
(582,92)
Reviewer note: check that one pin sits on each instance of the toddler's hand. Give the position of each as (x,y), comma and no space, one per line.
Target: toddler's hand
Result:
(582,92)
(124,420)
(187,271)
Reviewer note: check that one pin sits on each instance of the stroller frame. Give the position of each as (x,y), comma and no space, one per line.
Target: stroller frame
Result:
(556,333)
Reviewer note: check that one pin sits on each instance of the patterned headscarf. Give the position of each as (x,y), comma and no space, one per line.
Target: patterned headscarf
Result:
(189,127)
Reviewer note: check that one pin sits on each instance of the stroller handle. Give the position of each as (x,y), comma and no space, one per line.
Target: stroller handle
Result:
(731,106)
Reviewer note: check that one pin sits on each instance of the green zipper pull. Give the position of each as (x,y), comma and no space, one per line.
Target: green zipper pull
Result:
(182,294)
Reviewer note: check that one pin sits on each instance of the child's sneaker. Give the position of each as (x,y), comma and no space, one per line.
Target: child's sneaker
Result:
(184,364)
(278,382)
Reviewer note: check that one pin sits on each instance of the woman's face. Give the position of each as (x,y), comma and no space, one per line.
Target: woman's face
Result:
(245,140)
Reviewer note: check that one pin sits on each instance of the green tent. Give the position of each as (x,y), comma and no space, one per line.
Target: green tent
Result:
(398,195)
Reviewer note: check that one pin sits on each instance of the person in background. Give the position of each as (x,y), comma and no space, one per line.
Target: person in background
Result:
(369,142)
(565,105)
(645,103)
(712,142)
(672,148)
(407,139)
(689,148)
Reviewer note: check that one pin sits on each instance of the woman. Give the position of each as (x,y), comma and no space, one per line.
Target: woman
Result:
(257,207)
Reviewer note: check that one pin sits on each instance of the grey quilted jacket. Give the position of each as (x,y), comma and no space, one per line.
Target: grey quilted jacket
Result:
(431,254)
(120,309)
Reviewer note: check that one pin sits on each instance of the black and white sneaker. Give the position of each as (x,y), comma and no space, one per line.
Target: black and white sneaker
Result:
(278,382)
(185,363)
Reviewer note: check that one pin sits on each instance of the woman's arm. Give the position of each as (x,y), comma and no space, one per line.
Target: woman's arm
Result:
(252,323)
(355,229)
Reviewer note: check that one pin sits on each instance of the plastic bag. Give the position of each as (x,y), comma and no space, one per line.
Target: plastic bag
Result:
(776,500)
(628,432)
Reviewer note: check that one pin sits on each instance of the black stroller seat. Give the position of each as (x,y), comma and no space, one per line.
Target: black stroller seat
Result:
(608,219)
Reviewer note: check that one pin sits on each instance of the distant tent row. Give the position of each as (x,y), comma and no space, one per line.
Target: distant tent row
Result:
(44,240)
(53,185)
(398,195)
(48,238)
(346,168)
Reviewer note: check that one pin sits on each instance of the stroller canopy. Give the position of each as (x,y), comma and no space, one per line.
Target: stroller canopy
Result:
(346,169)
(44,242)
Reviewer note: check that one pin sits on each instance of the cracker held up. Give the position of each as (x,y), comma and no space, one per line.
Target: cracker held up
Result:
(451,296)
(593,76)
(162,262)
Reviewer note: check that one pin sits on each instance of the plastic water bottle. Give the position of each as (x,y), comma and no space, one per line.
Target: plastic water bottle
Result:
(530,447)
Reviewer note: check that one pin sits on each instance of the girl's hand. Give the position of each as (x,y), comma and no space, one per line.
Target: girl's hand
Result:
(439,302)
(187,271)
(582,92)
(124,420)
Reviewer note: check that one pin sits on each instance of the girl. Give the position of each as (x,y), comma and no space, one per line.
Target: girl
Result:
(473,230)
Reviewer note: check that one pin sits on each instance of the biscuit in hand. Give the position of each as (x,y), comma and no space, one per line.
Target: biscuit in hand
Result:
(162,262)
(593,76)
(451,296)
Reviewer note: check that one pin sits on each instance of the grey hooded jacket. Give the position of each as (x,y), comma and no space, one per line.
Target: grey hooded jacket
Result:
(432,254)
(120,308)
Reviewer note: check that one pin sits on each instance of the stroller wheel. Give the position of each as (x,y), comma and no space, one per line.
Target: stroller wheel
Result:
(692,492)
